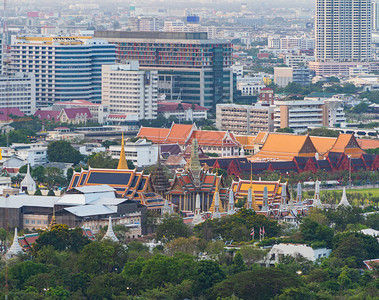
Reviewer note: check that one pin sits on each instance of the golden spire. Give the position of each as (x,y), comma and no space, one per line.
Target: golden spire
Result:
(53,221)
(216,194)
(122,164)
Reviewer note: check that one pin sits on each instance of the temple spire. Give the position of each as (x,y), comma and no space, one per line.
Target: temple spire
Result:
(122,164)
(265,199)
(231,209)
(53,221)
(215,207)
(110,234)
(344,201)
(316,199)
(197,219)
(298,196)
(15,249)
(194,164)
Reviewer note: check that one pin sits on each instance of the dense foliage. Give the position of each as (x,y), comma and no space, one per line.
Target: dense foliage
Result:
(66,265)
(62,151)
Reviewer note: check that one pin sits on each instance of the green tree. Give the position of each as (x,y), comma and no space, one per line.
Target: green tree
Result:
(38,173)
(238,265)
(62,151)
(172,227)
(208,273)
(256,284)
(102,160)
(285,130)
(54,177)
(21,272)
(38,192)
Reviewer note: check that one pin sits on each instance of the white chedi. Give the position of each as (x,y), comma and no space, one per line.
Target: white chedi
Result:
(110,234)
(15,249)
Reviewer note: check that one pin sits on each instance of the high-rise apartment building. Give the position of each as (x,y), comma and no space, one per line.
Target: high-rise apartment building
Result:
(127,90)
(65,68)
(375,15)
(343,30)
(191,68)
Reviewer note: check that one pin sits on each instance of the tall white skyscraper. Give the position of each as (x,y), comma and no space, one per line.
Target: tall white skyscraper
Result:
(375,15)
(343,30)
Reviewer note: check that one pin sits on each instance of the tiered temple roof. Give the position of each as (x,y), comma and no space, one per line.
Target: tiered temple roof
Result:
(274,189)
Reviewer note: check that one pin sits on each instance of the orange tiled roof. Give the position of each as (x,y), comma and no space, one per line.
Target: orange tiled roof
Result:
(346,143)
(178,133)
(156,135)
(368,143)
(260,137)
(284,147)
(323,144)
(247,141)
(210,137)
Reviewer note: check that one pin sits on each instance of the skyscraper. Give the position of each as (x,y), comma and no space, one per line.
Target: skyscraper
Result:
(191,67)
(65,68)
(343,30)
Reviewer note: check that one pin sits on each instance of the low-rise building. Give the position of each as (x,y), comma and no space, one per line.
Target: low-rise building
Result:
(278,252)
(98,111)
(182,111)
(142,153)
(245,119)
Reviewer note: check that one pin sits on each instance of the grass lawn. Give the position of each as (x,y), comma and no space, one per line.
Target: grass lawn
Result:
(374,192)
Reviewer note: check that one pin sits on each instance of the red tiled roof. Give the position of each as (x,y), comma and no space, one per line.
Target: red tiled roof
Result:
(5,112)
(156,135)
(46,114)
(179,133)
(73,112)
(368,143)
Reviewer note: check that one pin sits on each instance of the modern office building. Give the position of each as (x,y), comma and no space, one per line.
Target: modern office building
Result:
(18,91)
(244,119)
(191,67)
(343,34)
(284,75)
(128,90)
(375,15)
(300,115)
(65,68)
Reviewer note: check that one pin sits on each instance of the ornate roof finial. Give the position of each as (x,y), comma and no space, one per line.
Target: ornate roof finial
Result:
(344,201)
(53,221)
(122,164)
(316,199)
(231,209)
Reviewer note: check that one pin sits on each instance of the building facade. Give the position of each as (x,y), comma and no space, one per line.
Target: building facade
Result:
(343,30)
(65,68)
(128,90)
(191,68)
(245,119)
(18,91)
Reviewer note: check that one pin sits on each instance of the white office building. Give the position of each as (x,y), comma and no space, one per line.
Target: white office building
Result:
(18,91)
(343,30)
(142,153)
(127,90)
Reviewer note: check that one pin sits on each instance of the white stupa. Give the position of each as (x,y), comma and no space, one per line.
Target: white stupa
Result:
(28,182)
(283,198)
(216,213)
(298,196)
(231,210)
(242,152)
(265,199)
(344,201)
(166,209)
(316,199)
(197,219)
(110,234)
(15,249)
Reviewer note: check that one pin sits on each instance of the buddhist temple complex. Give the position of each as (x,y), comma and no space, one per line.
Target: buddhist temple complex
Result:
(223,143)
(193,181)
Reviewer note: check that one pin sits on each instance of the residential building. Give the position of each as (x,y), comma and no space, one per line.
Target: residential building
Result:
(245,119)
(191,67)
(266,96)
(18,91)
(283,76)
(249,88)
(343,35)
(98,111)
(182,111)
(142,153)
(375,15)
(65,68)
(128,90)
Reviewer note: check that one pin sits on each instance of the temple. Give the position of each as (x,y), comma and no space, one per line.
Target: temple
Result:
(223,143)
(194,180)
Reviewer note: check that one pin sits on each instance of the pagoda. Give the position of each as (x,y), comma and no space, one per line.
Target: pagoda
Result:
(110,234)
(194,180)
(159,181)
(15,249)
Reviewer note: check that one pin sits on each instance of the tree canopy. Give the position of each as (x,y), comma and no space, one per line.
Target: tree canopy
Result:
(62,151)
